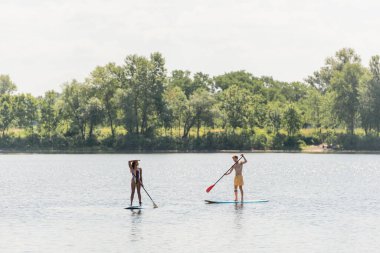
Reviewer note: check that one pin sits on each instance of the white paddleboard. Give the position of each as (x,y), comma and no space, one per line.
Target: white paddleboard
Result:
(236,202)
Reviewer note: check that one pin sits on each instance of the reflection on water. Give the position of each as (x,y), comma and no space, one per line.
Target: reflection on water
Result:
(136,212)
(239,217)
(136,220)
(76,204)
(239,206)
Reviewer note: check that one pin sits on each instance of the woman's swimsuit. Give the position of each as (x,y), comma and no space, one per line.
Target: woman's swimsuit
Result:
(136,177)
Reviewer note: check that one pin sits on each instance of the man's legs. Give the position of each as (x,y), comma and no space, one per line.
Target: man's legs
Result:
(241,192)
(236,192)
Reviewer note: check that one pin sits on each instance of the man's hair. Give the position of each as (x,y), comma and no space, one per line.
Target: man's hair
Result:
(235,156)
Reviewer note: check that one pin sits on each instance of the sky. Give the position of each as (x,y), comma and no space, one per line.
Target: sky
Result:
(44,43)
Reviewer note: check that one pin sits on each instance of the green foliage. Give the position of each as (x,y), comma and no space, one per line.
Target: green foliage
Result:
(106,81)
(321,79)
(370,97)
(6,85)
(345,90)
(142,92)
(311,105)
(236,104)
(94,114)
(137,106)
(74,104)
(182,80)
(292,120)
(198,111)
(176,101)
(26,112)
(241,79)
(51,114)
(274,117)
(7,115)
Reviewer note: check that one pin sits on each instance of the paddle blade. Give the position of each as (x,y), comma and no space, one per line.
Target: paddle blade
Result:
(210,188)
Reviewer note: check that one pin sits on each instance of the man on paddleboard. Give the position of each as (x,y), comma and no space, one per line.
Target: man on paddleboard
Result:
(238,181)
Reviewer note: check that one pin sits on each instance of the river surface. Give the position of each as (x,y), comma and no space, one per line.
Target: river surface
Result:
(75,203)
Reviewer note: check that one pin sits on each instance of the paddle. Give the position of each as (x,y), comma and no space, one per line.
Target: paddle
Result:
(154,204)
(212,186)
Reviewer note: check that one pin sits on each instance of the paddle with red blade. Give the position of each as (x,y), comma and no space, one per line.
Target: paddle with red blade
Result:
(212,186)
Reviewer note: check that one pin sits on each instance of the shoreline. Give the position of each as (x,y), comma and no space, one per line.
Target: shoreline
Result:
(306,150)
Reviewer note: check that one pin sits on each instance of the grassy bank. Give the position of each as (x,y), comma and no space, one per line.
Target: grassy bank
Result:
(209,140)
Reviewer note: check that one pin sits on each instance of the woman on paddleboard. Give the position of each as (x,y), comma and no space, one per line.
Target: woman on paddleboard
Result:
(238,181)
(136,181)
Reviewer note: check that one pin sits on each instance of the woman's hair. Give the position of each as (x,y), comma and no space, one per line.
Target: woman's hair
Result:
(134,164)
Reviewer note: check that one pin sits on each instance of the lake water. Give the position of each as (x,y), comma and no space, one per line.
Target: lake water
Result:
(75,203)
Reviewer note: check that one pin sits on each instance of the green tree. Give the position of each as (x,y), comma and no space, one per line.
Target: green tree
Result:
(242,79)
(26,111)
(370,97)
(106,81)
(94,115)
(6,85)
(322,79)
(345,88)
(328,119)
(176,101)
(274,117)
(7,115)
(273,90)
(75,96)
(198,111)
(292,120)
(51,113)
(258,110)
(237,106)
(312,106)
(182,79)
(293,92)
(202,81)
(143,88)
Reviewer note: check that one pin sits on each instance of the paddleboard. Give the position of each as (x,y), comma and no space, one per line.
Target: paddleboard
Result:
(134,207)
(236,202)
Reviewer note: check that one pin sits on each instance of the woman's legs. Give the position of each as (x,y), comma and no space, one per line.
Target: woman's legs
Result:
(139,192)
(133,186)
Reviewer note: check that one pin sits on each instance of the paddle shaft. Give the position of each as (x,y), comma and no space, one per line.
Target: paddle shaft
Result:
(148,195)
(154,204)
(228,170)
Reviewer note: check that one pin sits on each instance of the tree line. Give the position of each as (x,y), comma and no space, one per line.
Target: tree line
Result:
(139,105)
